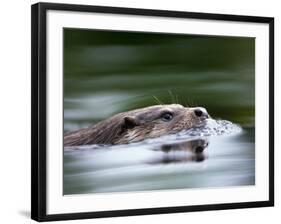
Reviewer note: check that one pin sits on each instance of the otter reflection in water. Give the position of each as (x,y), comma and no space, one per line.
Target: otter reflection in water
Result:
(187,151)
(138,125)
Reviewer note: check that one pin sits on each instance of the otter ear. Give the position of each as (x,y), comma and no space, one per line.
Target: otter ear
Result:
(131,122)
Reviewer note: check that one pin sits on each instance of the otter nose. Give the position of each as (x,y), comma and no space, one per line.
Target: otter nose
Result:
(201,112)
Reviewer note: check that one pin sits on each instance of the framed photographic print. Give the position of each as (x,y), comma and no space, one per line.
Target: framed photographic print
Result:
(139,111)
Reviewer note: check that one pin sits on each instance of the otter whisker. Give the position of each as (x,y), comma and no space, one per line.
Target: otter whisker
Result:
(195,104)
(177,98)
(186,104)
(172,96)
(190,102)
(157,100)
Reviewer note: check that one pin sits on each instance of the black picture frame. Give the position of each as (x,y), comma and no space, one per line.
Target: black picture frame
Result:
(39,122)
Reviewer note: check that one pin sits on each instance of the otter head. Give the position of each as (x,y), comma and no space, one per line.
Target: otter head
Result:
(155,121)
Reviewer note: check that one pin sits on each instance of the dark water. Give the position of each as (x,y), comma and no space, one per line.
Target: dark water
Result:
(109,72)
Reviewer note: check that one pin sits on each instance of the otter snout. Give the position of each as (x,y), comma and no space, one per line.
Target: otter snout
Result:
(201,112)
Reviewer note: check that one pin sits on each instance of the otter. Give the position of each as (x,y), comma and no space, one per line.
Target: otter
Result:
(139,124)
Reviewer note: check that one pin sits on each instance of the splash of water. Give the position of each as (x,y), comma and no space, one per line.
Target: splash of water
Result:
(210,128)
(214,128)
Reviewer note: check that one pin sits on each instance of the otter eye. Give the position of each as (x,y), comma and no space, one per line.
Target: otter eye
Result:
(167,116)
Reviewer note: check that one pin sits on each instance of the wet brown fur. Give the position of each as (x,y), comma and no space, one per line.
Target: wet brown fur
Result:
(135,125)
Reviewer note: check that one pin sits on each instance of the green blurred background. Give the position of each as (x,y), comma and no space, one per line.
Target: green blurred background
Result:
(106,72)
